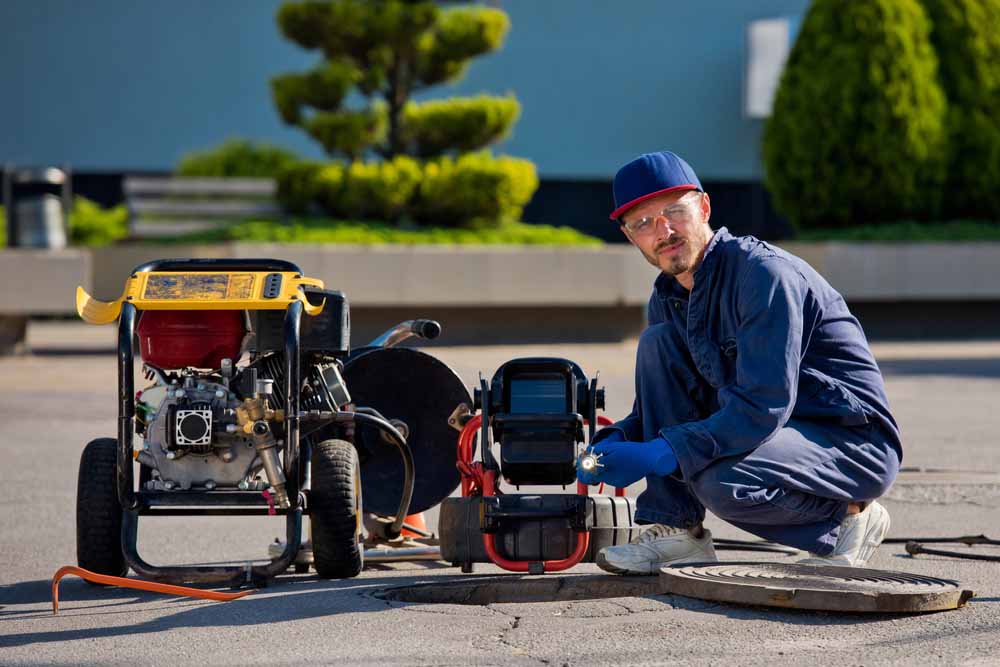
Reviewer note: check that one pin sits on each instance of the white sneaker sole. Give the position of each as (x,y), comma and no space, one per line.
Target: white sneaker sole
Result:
(875,531)
(654,567)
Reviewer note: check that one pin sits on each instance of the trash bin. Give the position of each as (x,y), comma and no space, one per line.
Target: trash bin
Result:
(37,204)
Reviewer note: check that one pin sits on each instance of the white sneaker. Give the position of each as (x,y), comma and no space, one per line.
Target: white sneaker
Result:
(860,535)
(657,546)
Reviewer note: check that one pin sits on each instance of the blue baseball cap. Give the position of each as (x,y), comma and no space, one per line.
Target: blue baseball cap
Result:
(649,175)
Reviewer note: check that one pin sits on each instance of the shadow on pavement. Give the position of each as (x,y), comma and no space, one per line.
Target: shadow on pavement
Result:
(308,598)
(48,351)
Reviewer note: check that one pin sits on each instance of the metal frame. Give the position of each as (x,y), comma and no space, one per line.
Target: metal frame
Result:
(482,478)
(209,502)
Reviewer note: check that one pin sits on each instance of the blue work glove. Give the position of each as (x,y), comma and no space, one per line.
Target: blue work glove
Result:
(622,462)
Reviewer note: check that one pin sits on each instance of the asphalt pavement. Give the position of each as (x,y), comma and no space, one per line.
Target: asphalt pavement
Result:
(946,397)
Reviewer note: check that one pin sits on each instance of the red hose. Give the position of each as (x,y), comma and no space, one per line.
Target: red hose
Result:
(582,543)
(478,481)
(140,584)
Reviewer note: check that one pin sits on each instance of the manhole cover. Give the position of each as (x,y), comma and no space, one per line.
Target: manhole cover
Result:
(816,587)
(519,588)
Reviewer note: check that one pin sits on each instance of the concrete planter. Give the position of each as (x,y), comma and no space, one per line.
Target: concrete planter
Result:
(867,271)
(530,294)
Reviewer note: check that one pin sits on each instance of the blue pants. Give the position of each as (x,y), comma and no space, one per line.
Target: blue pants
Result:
(793,489)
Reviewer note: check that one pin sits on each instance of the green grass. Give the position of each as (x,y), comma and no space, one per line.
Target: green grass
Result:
(334,231)
(954,230)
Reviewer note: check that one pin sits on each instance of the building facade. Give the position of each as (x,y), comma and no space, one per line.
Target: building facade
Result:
(110,87)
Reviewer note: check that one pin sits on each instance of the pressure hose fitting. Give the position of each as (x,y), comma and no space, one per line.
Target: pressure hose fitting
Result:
(267,449)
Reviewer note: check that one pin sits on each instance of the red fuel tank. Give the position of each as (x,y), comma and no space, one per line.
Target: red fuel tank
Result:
(196,338)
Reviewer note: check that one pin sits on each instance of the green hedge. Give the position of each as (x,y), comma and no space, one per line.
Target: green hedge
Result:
(297,186)
(966,34)
(237,158)
(473,190)
(858,131)
(460,124)
(316,231)
(91,225)
(367,190)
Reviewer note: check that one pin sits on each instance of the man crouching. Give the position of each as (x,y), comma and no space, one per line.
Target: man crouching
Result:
(757,396)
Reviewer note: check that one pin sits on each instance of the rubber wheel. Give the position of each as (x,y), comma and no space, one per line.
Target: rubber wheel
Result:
(335,510)
(98,512)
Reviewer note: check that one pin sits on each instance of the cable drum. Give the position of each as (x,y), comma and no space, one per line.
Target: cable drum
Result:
(421,391)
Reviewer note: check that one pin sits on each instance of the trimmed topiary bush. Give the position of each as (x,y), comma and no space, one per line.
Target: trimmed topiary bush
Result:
(297,187)
(330,181)
(459,124)
(966,35)
(858,127)
(474,190)
(379,190)
(384,50)
(375,55)
(237,158)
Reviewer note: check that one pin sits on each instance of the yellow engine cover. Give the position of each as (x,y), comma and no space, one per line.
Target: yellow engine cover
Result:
(202,290)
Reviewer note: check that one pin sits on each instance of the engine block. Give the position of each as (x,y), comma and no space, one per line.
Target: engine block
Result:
(191,438)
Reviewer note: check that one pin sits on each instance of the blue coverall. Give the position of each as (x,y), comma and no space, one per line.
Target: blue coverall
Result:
(764,385)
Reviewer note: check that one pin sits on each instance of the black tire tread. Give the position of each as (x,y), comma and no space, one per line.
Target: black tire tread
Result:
(98,512)
(334,511)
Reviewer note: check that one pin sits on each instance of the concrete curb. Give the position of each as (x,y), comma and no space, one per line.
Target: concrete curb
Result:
(497,294)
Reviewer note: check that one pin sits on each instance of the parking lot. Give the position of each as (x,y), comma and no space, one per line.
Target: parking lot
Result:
(946,397)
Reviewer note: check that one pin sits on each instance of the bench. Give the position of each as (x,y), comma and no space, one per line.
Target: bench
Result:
(163,207)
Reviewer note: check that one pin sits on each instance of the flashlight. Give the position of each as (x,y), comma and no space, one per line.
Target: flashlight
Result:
(590,462)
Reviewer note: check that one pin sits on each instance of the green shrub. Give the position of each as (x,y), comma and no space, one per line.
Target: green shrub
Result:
(330,188)
(297,187)
(460,33)
(317,231)
(858,127)
(324,88)
(475,190)
(368,190)
(379,190)
(462,124)
(347,132)
(966,34)
(237,158)
(91,225)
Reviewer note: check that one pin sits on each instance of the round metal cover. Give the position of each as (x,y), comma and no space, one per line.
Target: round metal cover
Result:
(412,386)
(817,587)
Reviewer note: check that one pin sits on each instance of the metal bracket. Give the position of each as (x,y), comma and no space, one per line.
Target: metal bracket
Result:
(459,417)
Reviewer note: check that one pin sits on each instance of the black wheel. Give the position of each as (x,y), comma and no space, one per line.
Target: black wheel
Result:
(98,512)
(335,510)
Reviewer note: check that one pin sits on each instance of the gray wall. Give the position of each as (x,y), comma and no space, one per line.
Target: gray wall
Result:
(122,85)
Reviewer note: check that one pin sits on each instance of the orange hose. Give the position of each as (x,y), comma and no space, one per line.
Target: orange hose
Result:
(140,584)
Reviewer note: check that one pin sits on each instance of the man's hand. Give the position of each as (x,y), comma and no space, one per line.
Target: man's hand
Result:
(622,462)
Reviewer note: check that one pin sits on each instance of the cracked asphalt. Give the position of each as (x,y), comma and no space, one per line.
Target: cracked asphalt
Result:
(945,396)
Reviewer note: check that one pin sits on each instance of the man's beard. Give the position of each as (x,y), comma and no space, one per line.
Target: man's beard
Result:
(677,263)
